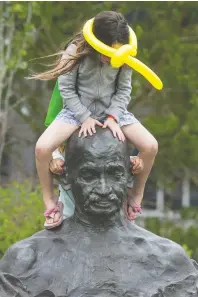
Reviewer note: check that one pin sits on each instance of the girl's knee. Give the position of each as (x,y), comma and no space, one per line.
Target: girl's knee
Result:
(152,147)
(155,146)
(42,150)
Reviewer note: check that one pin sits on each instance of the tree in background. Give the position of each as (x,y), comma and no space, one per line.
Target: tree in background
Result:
(16,34)
(170,43)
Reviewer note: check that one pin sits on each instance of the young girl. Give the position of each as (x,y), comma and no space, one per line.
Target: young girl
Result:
(93,92)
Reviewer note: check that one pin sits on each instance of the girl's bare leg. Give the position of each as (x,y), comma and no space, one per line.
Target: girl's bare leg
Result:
(52,137)
(147,145)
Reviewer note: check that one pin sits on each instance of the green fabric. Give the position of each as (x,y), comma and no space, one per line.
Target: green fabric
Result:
(55,106)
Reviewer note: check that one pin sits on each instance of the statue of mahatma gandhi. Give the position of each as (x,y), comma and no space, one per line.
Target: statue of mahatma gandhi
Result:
(97,252)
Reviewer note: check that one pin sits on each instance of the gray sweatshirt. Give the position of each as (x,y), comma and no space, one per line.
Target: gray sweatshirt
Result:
(97,93)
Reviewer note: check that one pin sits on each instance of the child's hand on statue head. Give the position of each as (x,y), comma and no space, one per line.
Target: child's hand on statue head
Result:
(137,164)
(114,127)
(56,166)
(88,127)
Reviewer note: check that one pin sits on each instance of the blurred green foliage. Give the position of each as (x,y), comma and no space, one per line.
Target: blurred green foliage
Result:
(189,213)
(21,209)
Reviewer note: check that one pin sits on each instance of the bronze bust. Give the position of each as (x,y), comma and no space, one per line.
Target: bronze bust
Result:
(97,252)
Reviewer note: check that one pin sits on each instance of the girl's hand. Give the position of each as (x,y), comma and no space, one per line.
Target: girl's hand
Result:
(115,129)
(56,166)
(88,126)
(137,164)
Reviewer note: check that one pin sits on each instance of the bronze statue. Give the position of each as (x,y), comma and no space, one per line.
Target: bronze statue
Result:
(97,252)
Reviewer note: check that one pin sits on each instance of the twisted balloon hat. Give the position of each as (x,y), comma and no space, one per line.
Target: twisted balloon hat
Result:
(121,55)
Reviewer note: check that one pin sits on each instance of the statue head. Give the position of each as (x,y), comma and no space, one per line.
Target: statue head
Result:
(97,170)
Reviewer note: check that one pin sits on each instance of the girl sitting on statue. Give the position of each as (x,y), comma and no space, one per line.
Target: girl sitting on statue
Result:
(94,94)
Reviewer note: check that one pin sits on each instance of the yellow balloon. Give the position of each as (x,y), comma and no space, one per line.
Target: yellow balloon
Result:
(100,46)
(132,39)
(122,55)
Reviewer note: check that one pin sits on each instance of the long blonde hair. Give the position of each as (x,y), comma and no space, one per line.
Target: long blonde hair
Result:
(61,66)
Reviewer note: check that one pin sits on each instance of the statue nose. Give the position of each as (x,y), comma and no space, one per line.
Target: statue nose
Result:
(103,187)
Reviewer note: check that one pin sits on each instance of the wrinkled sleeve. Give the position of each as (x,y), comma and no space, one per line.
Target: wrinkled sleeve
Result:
(67,88)
(122,96)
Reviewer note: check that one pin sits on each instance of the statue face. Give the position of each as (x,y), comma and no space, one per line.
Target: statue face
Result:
(101,184)
(98,174)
